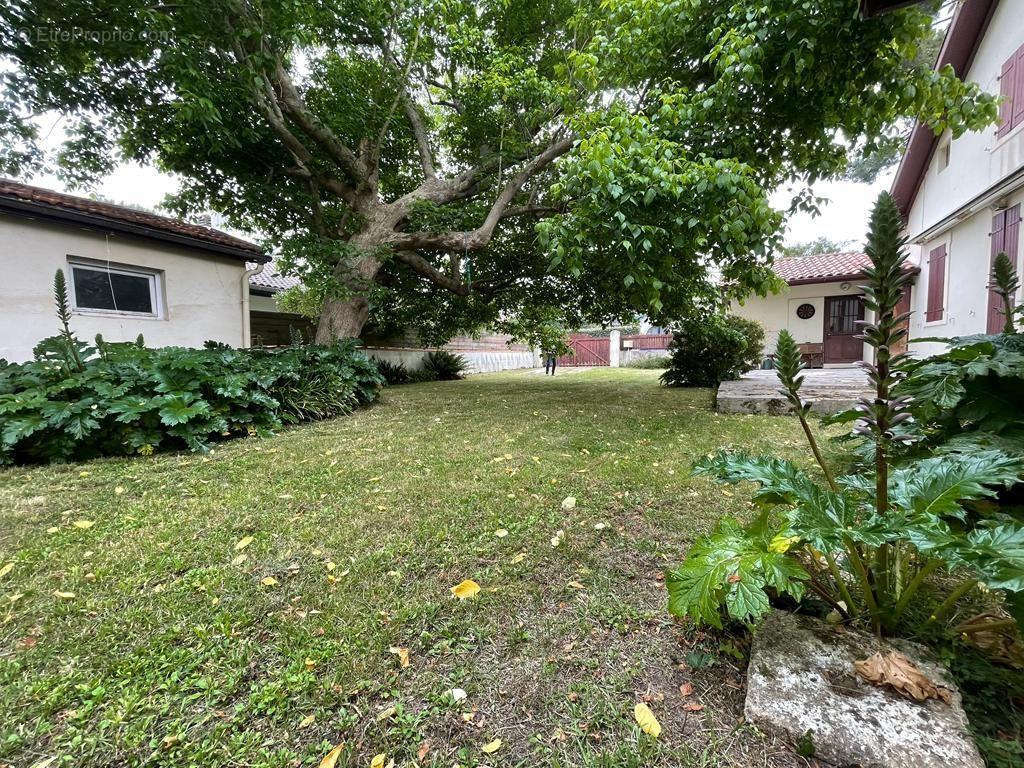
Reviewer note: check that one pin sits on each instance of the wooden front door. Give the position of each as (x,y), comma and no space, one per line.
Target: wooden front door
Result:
(841,329)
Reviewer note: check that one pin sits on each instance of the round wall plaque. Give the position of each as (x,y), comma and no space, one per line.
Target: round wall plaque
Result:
(805,311)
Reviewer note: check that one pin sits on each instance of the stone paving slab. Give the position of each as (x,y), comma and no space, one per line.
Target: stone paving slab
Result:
(801,685)
(827,389)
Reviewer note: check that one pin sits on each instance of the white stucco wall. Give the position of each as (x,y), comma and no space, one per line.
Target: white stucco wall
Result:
(778,311)
(202,292)
(977,161)
(968,253)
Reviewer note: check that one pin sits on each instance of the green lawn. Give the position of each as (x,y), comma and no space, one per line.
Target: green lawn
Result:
(145,638)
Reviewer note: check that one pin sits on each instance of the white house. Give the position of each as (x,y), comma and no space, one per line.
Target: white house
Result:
(962,197)
(128,272)
(961,200)
(820,307)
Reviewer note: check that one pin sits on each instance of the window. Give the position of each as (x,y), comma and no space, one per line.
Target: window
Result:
(936,284)
(1005,239)
(103,288)
(1011,91)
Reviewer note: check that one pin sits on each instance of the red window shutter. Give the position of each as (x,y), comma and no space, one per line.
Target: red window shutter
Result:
(1002,224)
(1018,91)
(1007,91)
(936,283)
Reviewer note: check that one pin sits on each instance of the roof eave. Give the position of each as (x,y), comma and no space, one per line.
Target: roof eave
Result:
(103,223)
(958,50)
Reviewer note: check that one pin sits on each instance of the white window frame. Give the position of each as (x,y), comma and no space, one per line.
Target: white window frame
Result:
(154,276)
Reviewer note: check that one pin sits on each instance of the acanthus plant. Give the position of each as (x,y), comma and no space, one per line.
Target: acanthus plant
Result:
(863,543)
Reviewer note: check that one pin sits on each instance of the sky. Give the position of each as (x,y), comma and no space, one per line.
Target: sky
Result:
(843,217)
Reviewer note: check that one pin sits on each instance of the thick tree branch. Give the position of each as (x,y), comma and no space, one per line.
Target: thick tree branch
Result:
(423,267)
(292,104)
(419,130)
(479,237)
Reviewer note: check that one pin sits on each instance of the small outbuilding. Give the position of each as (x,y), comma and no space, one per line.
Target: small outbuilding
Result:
(820,307)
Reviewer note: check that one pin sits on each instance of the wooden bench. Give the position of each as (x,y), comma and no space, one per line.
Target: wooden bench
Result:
(813,355)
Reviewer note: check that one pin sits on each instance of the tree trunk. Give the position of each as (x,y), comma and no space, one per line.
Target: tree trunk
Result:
(344,318)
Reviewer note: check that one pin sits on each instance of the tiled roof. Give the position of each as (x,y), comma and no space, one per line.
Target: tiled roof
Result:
(28,200)
(821,267)
(270,281)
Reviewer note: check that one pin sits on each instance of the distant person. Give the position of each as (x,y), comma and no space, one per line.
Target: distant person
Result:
(550,360)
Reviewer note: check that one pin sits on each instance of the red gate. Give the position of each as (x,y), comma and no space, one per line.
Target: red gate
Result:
(588,350)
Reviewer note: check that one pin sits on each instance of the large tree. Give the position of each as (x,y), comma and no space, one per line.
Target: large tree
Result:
(455,162)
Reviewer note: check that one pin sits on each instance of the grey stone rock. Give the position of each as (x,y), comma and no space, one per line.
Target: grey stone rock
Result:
(801,685)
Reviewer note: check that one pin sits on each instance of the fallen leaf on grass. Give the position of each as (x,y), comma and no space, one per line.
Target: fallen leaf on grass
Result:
(901,674)
(575,585)
(239,559)
(693,706)
(6,569)
(457,694)
(423,750)
(402,654)
(686,688)
(491,747)
(501,533)
(269,581)
(84,524)
(331,758)
(307,721)
(646,720)
(518,558)
(466,589)
(569,502)
(309,663)
(378,761)
(64,595)
(243,543)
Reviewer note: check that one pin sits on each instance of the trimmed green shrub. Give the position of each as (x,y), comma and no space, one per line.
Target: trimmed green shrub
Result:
(393,373)
(706,351)
(651,362)
(75,401)
(444,366)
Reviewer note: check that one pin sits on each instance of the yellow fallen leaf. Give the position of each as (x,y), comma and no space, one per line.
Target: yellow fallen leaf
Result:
(378,761)
(64,595)
(331,758)
(576,585)
(518,558)
(466,589)
(269,581)
(239,559)
(331,566)
(309,663)
(6,569)
(52,529)
(646,720)
(243,543)
(83,524)
(569,502)
(402,654)
(501,533)
(118,490)
(491,747)
(782,544)
(307,721)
